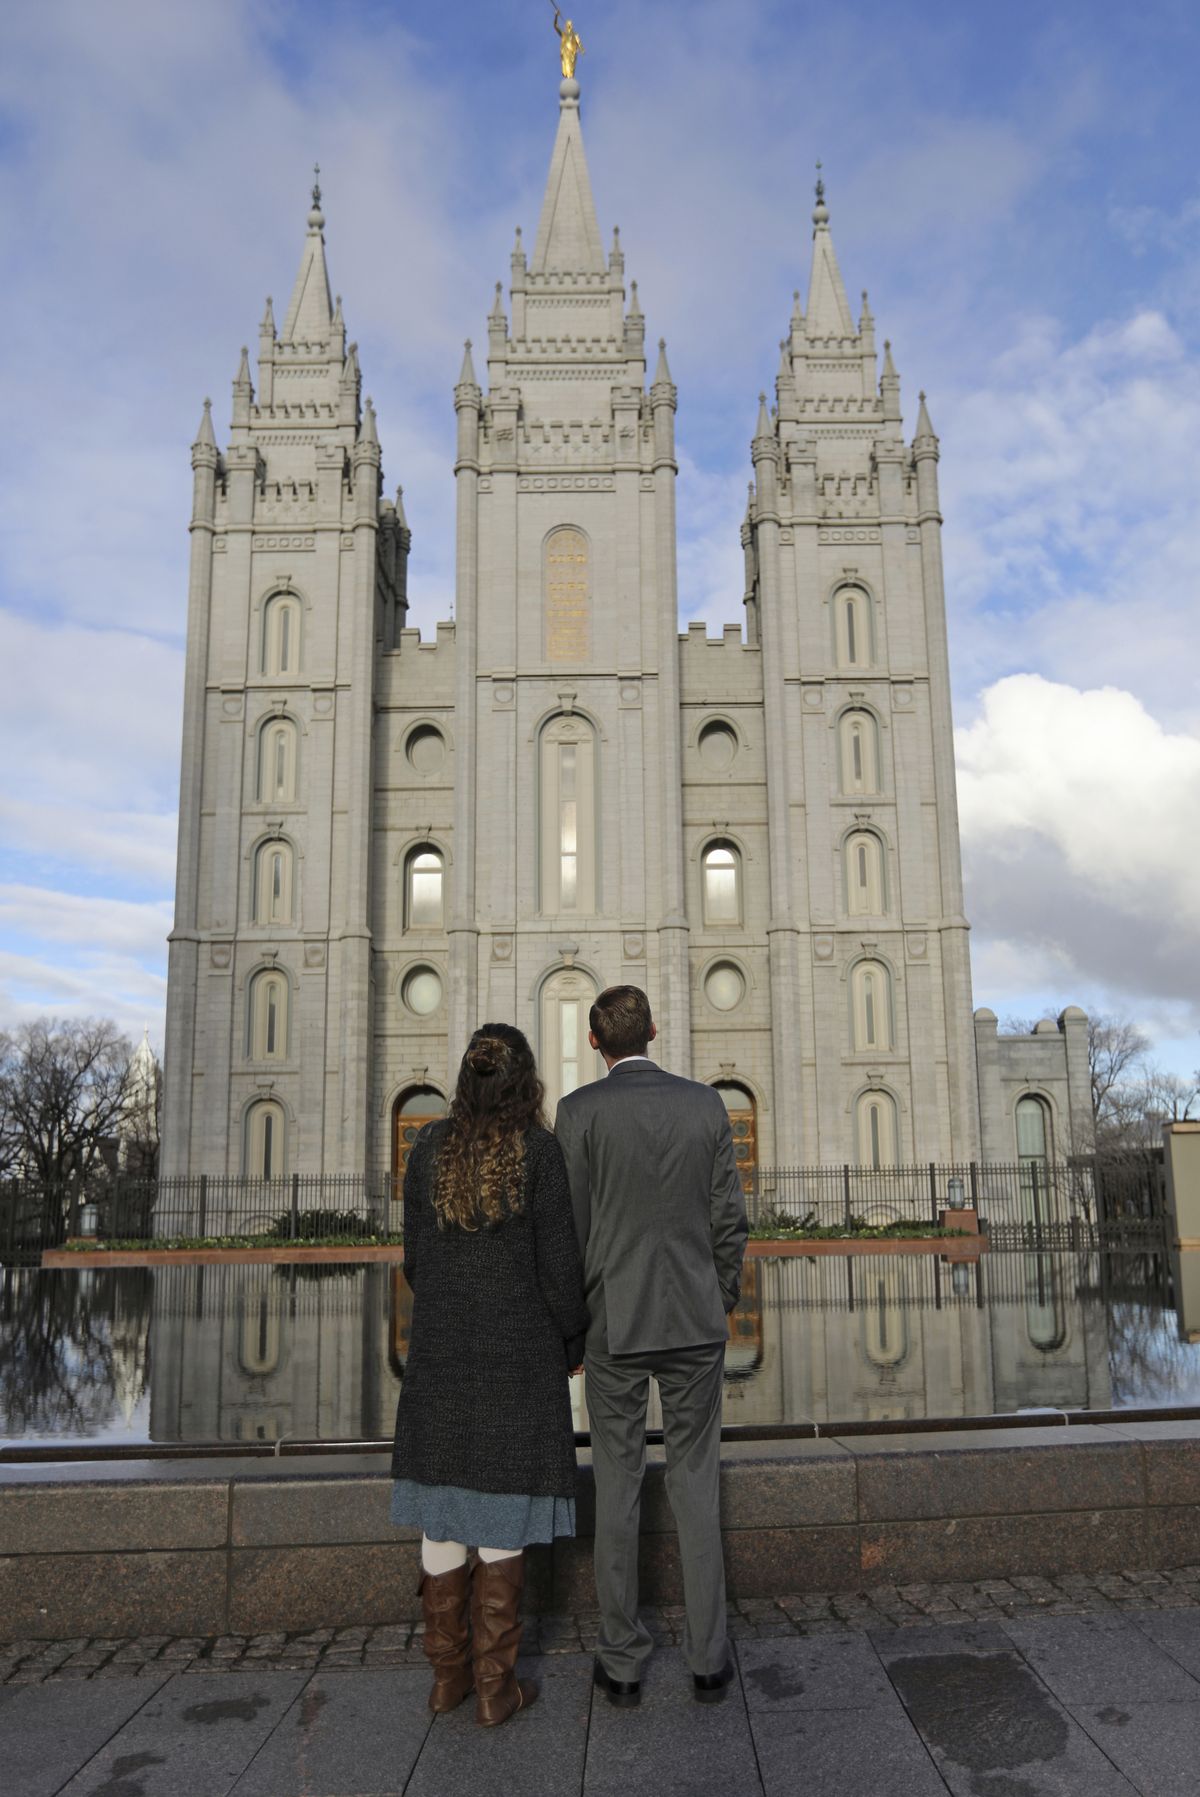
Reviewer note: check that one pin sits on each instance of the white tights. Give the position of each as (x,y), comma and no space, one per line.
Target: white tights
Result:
(443,1556)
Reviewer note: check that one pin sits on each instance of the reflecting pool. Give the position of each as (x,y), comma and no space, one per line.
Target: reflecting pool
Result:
(257,1353)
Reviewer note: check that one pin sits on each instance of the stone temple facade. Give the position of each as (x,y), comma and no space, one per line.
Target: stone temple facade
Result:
(385,841)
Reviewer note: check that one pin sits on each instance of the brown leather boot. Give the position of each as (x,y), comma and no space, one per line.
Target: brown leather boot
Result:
(496,1630)
(445,1605)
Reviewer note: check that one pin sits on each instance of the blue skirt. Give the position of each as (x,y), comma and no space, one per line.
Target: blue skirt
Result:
(480,1518)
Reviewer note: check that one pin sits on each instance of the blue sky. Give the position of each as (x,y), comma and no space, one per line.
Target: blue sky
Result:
(1017,188)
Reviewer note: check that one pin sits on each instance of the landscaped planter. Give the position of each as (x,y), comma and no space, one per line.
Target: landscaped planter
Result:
(964,1247)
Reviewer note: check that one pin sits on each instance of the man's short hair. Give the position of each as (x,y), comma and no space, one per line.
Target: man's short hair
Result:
(620,1021)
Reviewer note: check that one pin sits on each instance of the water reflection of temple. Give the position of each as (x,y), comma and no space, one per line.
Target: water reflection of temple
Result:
(256,1353)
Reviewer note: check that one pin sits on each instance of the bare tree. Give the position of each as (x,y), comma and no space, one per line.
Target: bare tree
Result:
(63,1090)
(1117,1052)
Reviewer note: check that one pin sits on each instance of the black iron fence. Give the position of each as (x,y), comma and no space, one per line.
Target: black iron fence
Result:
(1084,1202)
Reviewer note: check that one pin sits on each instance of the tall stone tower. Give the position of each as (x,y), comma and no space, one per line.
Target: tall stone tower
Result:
(296,565)
(869,967)
(568,844)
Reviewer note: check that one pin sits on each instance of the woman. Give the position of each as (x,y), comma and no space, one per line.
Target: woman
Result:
(485,1450)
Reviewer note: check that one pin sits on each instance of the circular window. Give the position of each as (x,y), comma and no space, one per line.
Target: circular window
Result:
(422,991)
(724,986)
(426,749)
(718,746)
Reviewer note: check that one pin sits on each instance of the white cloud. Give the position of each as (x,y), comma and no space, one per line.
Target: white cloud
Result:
(1079,852)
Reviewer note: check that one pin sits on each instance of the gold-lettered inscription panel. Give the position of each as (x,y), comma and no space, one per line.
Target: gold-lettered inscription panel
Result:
(568,596)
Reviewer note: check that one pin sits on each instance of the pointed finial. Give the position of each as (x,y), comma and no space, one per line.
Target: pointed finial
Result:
(820,210)
(634,309)
(205,434)
(242,378)
(662,372)
(316,217)
(268,318)
(400,517)
(466,375)
(368,433)
(924,427)
(337,312)
(763,427)
(889,367)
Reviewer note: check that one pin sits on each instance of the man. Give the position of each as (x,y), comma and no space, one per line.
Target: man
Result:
(662,1229)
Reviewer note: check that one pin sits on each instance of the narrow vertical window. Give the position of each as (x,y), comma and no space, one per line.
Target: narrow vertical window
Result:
(423,899)
(858,752)
(866,894)
(277,762)
(281,635)
(263,1155)
(569,1028)
(852,629)
(876,1117)
(273,883)
(851,633)
(567,1059)
(721,875)
(870,1007)
(269,1017)
(567,812)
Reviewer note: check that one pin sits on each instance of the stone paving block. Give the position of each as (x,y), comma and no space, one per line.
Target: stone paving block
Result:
(107,1517)
(1156,1745)
(47,1731)
(670,1745)
(317,1512)
(954,1481)
(538,1753)
(1177,1633)
(835,1673)
(192,1739)
(1004,1546)
(303,1587)
(850,1753)
(989,1722)
(54,1594)
(1101,1659)
(344,1734)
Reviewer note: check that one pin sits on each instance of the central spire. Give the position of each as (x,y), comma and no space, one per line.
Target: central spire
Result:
(828,310)
(310,313)
(568,238)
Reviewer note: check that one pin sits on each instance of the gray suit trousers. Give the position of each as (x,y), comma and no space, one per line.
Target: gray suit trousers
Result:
(689,1386)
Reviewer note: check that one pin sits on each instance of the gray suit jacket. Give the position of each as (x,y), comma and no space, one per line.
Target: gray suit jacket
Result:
(658,1208)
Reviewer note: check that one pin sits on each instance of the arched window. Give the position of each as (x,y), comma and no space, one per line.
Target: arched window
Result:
(273,875)
(568,595)
(1034,1150)
(410,1113)
(866,887)
(423,880)
(858,752)
(871,1007)
(259,1337)
(277,742)
(281,635)
(875,1119)
(568,816)
(567,1060)
(853,629)
(265,1140)
(743,1124)
(885,1301)
(269,1016)
(722,881)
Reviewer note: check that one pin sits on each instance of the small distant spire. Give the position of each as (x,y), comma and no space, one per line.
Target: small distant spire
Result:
(497,310)
(785,360)
(763,427)
(662,372)
(337,313)
(368,433)
(205,434)
(820,210)
(924,427)
(865,320)
(635,310)
(466,375)
(268,318)
(400,517)
(350,365)
(242,378)
(889,367)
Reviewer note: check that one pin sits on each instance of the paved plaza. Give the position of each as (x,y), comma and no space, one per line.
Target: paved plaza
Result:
(1087,1684)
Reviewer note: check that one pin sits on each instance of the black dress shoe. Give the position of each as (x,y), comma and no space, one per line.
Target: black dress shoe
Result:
(625,1694)
(710,1687)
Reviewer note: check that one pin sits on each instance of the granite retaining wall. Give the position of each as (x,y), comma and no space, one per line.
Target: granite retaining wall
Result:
(210,1547)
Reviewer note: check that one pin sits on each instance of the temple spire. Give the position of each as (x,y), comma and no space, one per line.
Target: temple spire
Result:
(205,435)
(828,312)
(310,313)
(568,238)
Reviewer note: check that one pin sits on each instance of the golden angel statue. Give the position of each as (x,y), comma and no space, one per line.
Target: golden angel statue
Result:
(571,46)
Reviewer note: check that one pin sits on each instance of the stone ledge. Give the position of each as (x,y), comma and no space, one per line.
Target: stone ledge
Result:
(204,1546)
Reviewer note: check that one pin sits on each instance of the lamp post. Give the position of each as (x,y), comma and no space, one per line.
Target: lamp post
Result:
(956,1193)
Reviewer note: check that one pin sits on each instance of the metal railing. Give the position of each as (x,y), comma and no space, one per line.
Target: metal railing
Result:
(1084,1202)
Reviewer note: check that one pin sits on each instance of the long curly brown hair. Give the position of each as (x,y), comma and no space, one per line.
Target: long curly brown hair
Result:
(481,1161)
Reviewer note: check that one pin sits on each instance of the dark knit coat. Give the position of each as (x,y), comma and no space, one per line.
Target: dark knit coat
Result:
(498,1319)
